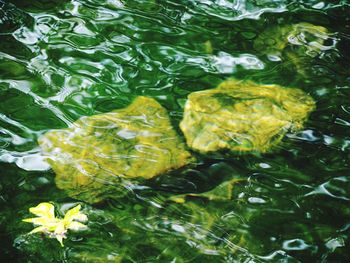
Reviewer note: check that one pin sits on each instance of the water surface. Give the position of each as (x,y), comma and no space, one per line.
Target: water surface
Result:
(61,60)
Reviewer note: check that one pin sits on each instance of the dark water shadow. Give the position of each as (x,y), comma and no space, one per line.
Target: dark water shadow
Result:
(12,18)
(36,5)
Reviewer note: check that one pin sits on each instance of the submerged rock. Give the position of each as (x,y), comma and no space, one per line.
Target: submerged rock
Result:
(92,156)
(305,38)
(243,116)
(297,46)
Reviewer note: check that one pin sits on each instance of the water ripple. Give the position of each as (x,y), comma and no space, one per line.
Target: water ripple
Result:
(64,59)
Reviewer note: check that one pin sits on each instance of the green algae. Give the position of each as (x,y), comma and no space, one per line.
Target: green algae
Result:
(243,116)
(93,155)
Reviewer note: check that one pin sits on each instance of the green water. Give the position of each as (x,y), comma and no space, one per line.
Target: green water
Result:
(60,60)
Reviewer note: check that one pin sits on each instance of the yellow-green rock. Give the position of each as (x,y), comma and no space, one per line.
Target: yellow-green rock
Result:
(243,116)
(305,38)
(91,157)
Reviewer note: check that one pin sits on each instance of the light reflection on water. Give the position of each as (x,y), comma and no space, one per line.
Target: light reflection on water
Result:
(61,60)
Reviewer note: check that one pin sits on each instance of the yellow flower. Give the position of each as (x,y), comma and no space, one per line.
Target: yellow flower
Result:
(56,227)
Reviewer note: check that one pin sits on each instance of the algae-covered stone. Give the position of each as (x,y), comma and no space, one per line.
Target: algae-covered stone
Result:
(297,46)
(306,39)
(91,157)
(243,116)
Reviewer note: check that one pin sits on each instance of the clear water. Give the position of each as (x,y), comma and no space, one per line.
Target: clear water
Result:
(60,60)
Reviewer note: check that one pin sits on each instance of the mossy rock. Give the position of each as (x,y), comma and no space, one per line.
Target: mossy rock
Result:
(243,116)
(306,39)
(297,46)
(91,157)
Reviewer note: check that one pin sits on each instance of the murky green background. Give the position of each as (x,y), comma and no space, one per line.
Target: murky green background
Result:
(60,60)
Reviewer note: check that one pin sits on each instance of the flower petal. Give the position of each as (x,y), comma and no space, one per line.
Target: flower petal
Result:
(38,229)
(72,213)
(60,228)
(81,217)
(60,239)
(46,210)
(76,226)
(43,221)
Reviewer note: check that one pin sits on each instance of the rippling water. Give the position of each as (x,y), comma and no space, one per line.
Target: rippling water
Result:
(60,60)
